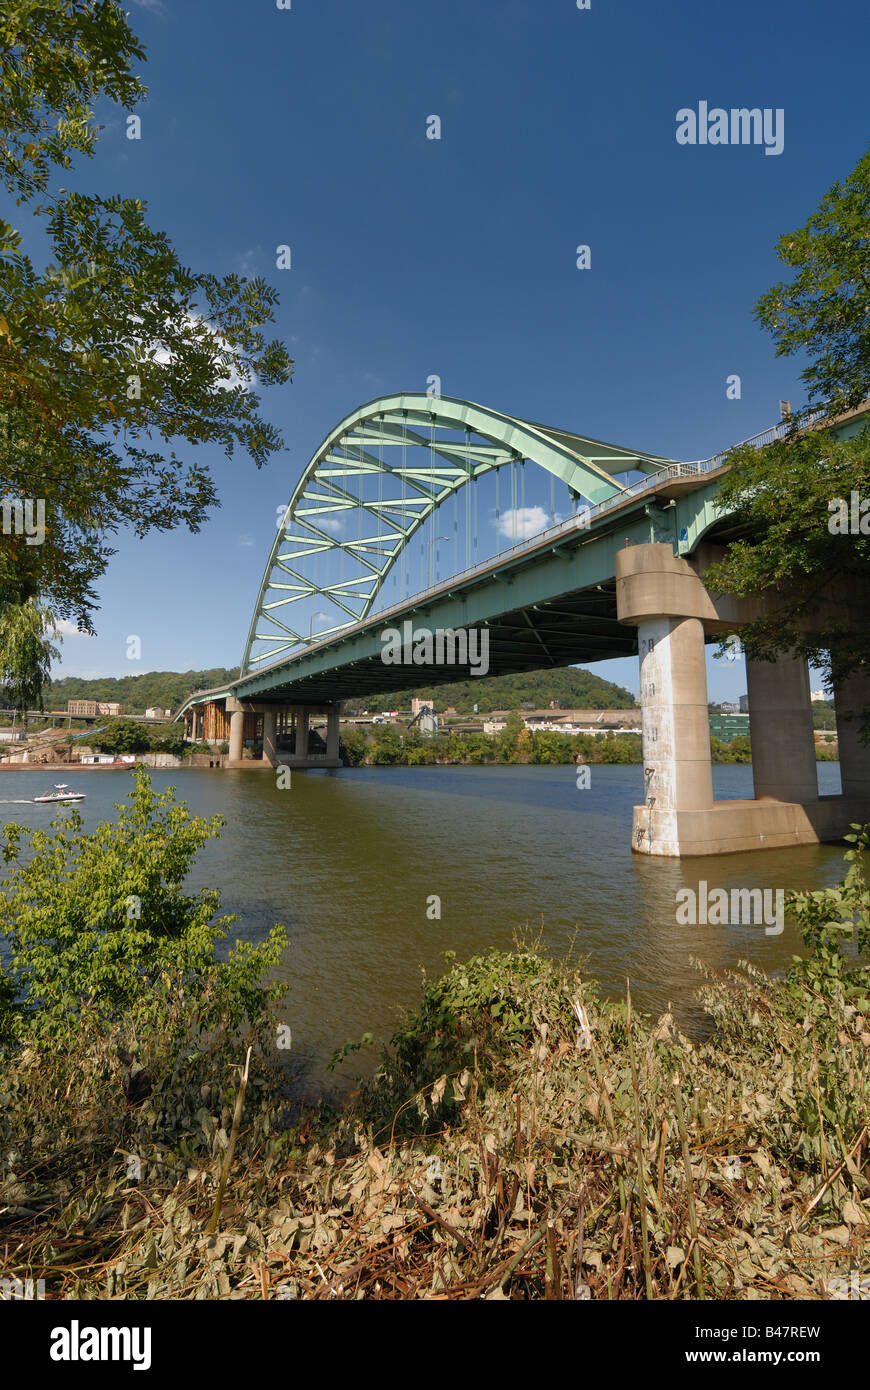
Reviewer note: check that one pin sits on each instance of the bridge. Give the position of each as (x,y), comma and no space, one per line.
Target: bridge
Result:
(559,549)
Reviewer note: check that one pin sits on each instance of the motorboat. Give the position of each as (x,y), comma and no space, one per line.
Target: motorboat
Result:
(61,793)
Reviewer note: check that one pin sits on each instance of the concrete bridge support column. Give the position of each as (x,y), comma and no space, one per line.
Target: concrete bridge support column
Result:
(270,740)
(237,730)
(678,774)
(332,732)
(851,696)
(664,597)
(781,730)
(302,730)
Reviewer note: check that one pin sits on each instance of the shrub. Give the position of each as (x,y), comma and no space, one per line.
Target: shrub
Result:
(101,920)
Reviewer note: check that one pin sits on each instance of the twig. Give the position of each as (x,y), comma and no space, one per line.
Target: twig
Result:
(687,1163)
(237,1117)
(638,1139)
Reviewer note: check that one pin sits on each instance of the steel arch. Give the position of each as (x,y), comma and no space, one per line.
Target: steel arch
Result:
(586,465)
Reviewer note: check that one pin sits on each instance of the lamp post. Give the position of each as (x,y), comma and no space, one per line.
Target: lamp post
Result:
(432,542)
(311,622)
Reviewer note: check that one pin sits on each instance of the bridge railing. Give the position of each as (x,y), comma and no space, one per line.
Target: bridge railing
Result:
(759,440)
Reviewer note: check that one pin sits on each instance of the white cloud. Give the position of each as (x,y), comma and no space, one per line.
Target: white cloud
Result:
(248,261)
(523,522)
(64,628)
(245,540)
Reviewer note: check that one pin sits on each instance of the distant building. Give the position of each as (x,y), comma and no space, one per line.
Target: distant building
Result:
(109,707)
(744,704)
(818,695)
(82,709)
(417,705)
(726,727)
(153,712)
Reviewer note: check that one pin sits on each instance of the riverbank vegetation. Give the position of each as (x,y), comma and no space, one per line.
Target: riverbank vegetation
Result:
(389,745)
(521,1138)
(121,735)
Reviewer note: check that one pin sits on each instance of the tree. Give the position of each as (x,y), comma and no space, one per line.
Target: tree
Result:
(122,736)
(825,310)
(814,574)
(782,494)
(26,653)
(113,354)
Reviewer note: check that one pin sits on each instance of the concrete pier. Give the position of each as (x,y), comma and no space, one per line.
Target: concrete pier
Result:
(850,696)
(274,713)
(781,730)
(678,774)
(237,729)
(664,597)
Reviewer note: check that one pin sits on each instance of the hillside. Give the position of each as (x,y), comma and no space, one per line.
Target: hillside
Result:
(573,687)
(166,689)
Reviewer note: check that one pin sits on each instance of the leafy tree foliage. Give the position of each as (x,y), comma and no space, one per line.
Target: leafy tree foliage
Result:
(817,583)
(824,310)
(113,354)
(97,920)
(56,60)
(26,652)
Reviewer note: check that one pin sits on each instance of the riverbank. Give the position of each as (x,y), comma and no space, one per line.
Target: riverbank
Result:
(522,1137)
(521,1140)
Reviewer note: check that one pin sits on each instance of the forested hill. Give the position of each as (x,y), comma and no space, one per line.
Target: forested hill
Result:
(165,689)
(572,687)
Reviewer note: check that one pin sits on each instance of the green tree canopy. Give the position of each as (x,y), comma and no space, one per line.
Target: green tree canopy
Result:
(116,361)
(825,310)
(815,576)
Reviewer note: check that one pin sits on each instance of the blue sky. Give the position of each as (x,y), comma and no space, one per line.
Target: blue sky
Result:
(457,257)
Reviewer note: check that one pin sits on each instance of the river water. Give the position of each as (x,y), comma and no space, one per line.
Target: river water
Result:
(350,861)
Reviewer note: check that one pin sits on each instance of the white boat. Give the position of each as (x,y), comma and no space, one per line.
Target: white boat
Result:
(61,793)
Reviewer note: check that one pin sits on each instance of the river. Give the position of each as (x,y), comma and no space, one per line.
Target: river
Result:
(350,861)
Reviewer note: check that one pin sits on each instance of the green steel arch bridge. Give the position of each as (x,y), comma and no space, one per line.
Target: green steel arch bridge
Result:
(559,549)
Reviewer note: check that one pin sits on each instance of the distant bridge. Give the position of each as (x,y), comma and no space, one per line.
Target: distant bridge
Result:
(616,570)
